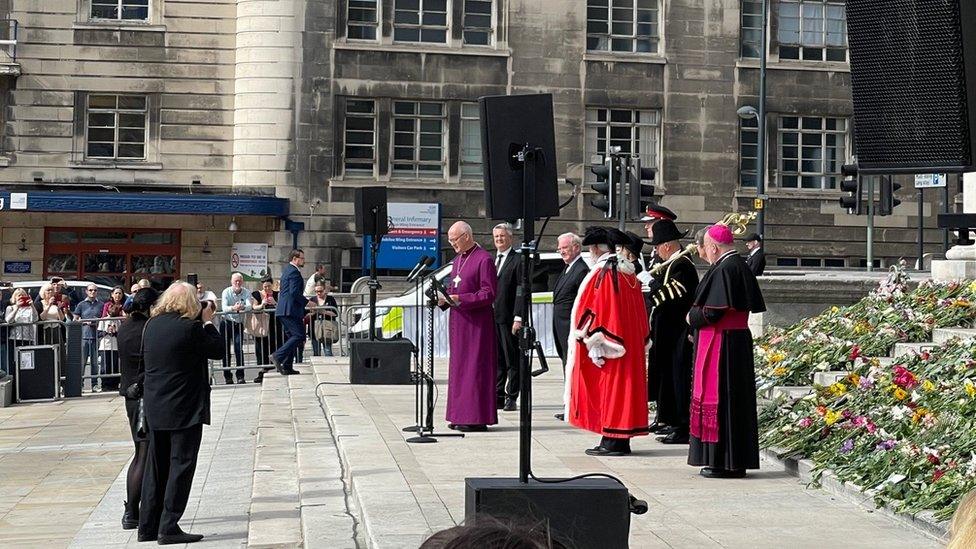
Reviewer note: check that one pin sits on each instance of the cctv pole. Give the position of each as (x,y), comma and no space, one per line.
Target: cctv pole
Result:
(761,145)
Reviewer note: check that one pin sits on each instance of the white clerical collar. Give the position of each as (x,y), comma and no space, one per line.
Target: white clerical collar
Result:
(727,254)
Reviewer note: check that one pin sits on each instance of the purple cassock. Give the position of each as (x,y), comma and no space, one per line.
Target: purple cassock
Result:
(471,329)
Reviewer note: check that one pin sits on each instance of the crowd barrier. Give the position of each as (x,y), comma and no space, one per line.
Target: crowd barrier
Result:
(250,337)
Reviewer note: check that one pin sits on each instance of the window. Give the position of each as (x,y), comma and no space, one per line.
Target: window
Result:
(80,254)
(116,127)
(477,22)
(418,139)
(634,131)
(863,263)
(812,30)
(359,152)
(361,21)
(750,37)
(814,262)
(420,21)
(622,25)
(748,152)
(811,151)
(470,142)
(128,10)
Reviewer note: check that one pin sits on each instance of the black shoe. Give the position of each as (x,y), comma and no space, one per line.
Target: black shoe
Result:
(560,417)
(601,451)
(472,428)
(712,472)
(499,404)
(241,381)
(146,537)
(510,405)
(277,364)
(228,381)
(180,538)
(260,378)
(130,520)
(290,372)
(674,438)
(452,426)
(666,430)
(655,427)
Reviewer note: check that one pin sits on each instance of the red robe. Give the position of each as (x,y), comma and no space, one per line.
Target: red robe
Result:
(608,372)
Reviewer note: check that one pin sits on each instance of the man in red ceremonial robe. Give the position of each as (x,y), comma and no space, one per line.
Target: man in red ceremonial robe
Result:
(471,331)
(607,369)
(724,427)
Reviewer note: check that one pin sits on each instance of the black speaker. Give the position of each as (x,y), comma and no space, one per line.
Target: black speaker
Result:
(72,368)
(380,362)
(584,513)
(38,373)
(508,122)
(371,216)
(913,75)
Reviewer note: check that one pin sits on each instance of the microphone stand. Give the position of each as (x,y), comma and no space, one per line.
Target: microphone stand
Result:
(418,369)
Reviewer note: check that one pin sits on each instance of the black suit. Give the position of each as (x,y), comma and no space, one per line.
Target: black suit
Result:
(176,397)
(563,297)
(757,262)
(508,304)
(130,360)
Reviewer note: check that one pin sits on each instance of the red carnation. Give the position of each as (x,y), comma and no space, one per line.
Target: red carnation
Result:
(933,459)
(855,352)
(937,474)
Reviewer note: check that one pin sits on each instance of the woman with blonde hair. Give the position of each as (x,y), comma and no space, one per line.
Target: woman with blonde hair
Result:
(22,312)
(962,529)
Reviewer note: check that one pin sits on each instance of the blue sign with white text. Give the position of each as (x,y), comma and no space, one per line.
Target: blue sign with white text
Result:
(16,267)
(414,232)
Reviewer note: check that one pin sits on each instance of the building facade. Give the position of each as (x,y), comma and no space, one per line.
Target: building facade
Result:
(148,128)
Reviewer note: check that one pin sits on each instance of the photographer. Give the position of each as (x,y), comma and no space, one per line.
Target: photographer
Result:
(176,397)
(130,386)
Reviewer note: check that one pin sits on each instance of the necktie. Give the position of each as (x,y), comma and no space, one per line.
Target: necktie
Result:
(498,262)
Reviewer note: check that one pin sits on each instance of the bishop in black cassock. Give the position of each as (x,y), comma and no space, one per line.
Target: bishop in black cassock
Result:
(724,427)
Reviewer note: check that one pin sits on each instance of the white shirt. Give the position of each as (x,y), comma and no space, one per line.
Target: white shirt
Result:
(573,262)
(504,256)
(754,251)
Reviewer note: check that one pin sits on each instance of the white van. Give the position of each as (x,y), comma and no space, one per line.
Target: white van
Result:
(389,311)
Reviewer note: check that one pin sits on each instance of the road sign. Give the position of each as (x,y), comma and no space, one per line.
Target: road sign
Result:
(930,180)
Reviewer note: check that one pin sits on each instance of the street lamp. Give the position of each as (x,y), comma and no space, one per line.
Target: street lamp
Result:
(748,112)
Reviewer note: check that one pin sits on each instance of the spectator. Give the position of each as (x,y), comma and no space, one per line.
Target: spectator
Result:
(130,386)
(962,528)
(235,299)
(20,311)
(108,348)
(323,326)
(261,323)
(176,398)
(88,309)
(490,533)
(316,277)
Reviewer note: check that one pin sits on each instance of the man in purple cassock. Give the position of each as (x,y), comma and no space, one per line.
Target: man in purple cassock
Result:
(471,374)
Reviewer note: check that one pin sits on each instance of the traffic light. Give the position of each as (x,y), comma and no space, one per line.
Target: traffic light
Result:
(640,192)
(854,202)
(888,200)
(607,179)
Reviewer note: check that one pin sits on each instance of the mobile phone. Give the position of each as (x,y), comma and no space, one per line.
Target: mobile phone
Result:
(191,279)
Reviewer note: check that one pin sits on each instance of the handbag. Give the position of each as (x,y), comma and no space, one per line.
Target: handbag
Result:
(257,324)
(326,329)
(141,419)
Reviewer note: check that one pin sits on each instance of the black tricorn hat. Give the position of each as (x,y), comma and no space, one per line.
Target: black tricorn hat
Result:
(626,240)
(665,231)
(596,235)
(752,237)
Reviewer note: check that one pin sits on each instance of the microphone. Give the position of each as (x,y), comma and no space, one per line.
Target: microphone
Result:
(425,261)
(418,267)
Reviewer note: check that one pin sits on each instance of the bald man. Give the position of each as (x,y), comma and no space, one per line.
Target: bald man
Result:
(724,427)
(471,331)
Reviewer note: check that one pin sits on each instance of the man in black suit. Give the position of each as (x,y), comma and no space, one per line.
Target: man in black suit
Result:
(570,247)
(756,260)
(291,311)
(508,320)
(176,397)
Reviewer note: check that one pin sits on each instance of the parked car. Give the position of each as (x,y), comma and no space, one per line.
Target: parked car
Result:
(75,290)
(389,311)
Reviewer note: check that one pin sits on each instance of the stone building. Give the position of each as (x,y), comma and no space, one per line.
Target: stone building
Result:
(141,131)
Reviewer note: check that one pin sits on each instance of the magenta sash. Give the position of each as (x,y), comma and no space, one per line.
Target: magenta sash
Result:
(704,397)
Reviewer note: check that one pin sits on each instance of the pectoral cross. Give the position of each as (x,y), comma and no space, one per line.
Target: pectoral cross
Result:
(457,281)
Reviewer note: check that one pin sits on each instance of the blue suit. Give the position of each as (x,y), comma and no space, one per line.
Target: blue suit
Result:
(290,311)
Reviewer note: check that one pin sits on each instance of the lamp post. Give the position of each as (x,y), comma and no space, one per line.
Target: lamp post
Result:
(760,115)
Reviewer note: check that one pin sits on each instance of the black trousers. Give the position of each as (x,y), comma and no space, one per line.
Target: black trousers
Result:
(507,380)
(167,480)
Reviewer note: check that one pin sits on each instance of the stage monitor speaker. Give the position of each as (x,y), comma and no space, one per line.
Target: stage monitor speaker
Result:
(508,122)
(371,215)
(913,77)
(380,362)
(74,361)
(588,513)
(38,373)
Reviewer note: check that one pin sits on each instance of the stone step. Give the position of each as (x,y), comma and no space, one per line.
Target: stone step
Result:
(828,378)
(942,335)
(790,392)
(903,350)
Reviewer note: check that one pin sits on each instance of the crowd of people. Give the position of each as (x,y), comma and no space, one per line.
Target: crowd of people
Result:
(627,334)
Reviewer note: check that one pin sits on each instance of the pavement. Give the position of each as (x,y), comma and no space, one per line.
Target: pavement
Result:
(311,461)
